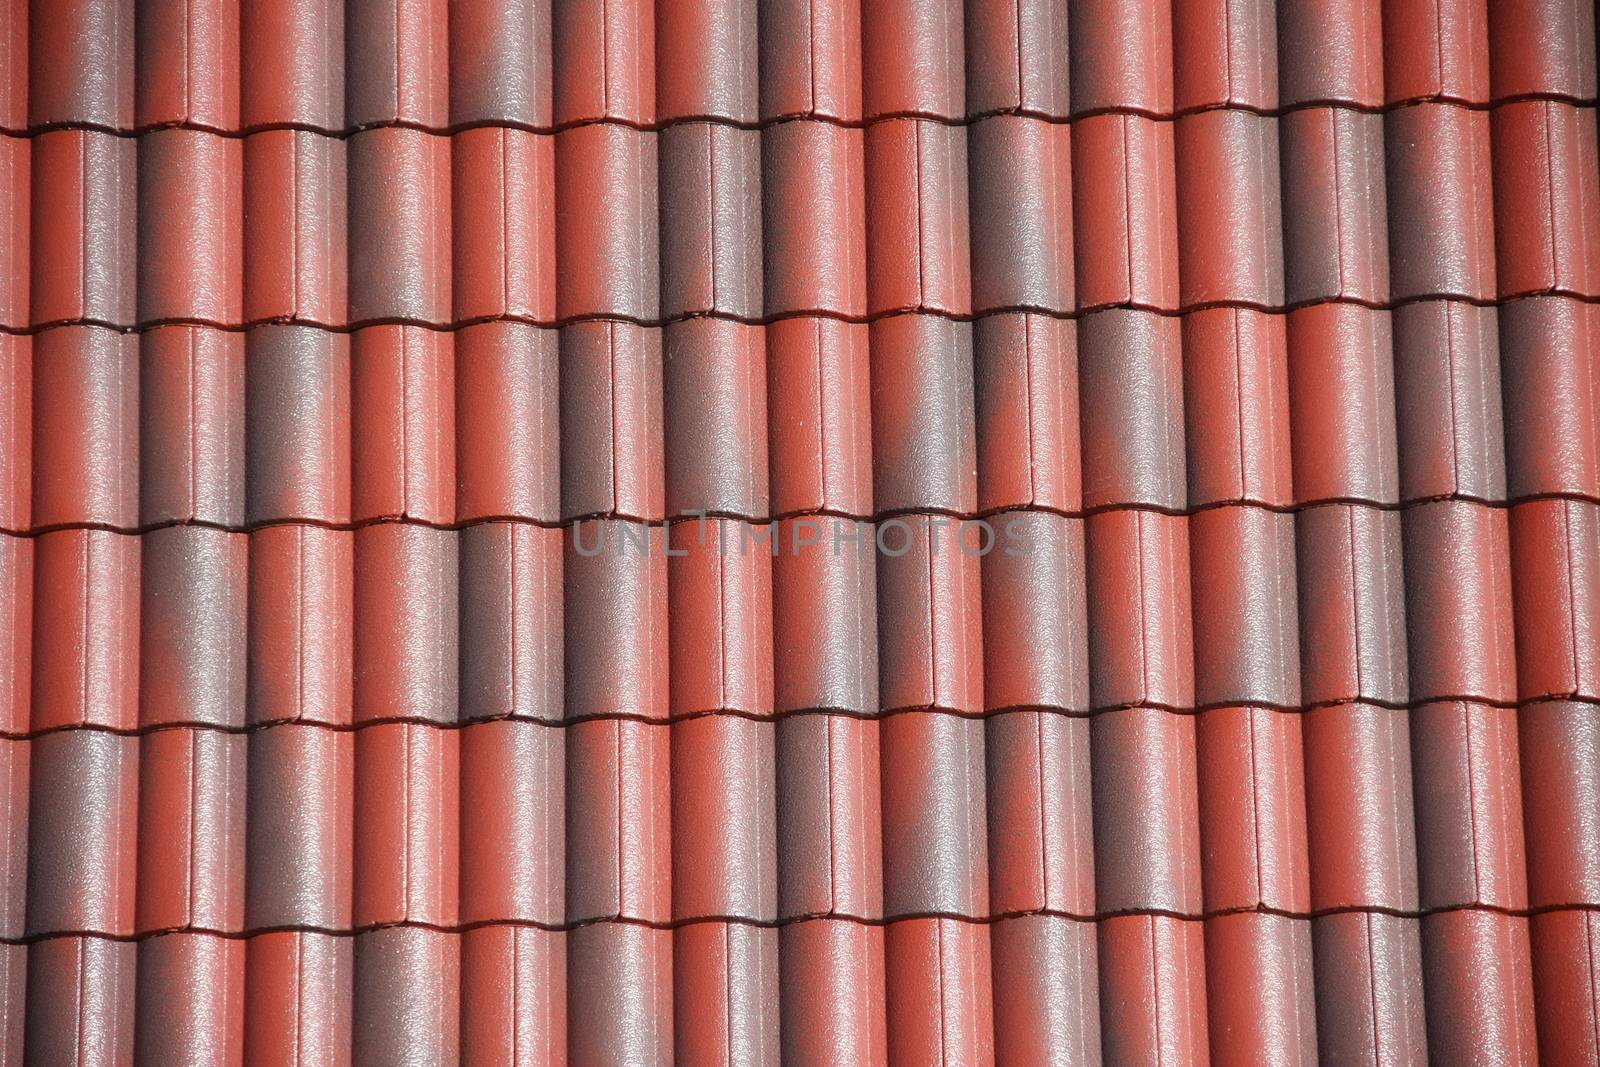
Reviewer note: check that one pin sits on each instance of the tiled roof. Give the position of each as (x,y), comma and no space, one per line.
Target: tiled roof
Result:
(484,574)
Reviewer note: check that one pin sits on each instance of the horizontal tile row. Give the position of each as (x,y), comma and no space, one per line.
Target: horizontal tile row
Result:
(803,217)
(1356,988)
(195,626)
(1350,807)
(333,65)
(292,423)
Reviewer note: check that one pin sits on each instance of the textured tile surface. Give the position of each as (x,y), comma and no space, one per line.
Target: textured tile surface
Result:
(863,532)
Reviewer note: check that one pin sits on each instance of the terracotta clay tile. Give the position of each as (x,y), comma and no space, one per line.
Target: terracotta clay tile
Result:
(1441,203)
(513,995)
(634,1024)
(16,208)
(500,63)
(1468,806)
(85,427)
(1035,622)
(612,459)
(824,615)
(710,179)
(1230,225)
(80,1000)
(1547,208)
(397,63)
(1124,207)
(912,58)
(1236,407)
(511,612)
(190,999)
(1447,401)
(1330,51)
(606,222)
(810,59)
(725,994)
(501,233)
(1121,56)
(1335,209)
(619,821)
(1152,968)
(1369,989)
(1436,51)
(930,624)
(84,235)
(508,434)
(615,591)
(1458,602)
(82,838)
(1477,972)
(939,1007)
(407,1005)
(922,415)
(297,998)
(188,64)
(1565,991)
(1229,54)
(399,229)
(715,380)
(1025,377)
(191,433)
(292,64)
(402,429)
(81,61)
(14,116)
(406,861)
(406,615)
(720,617)
(706,61)
(1041,848)
(724,852)
(14,819)
(1560,755)
(829,829)
(935,848)
(1005,69)
(1242,573)
(1140,630)
(301,625)
(1130,390)
(1359,819)
(1046,990)
(300,818)
(513,822)
(1252,797)
(191,856)
(295,190)
(1341,404)
(85,630)
(1261,965)
(814,211)
(192,658)
(16,634)
(1551,393)
(831,993)
(16,432)
(1352,605)
(1146,819)
(1545,48)
(1555,570)
(1020,172)
(819,416)
(605,62)
(190,226)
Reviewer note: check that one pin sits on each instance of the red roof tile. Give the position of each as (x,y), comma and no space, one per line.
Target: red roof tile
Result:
(491,566)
